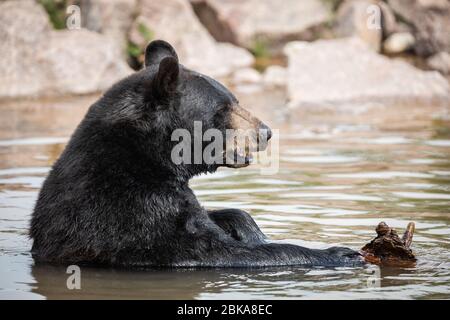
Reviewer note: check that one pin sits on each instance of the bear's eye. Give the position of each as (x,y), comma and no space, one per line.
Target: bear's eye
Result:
(224,107)
(231,105)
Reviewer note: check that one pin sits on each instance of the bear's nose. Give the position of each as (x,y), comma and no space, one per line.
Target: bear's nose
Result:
(267,130)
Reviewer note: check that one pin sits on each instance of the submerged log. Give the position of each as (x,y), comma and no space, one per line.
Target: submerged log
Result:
(388,248)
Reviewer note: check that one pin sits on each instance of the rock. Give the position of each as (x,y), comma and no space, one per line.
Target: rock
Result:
(275,76)
(398,42)
(109,17)
(175,22)
(440,62)
(245,22)
(345,71)
(389,23)
(246,76)
(23,28)
(434,4)
(430,20)
(38,61)
(23,17)
(362,19)
(80,62)
(403,27)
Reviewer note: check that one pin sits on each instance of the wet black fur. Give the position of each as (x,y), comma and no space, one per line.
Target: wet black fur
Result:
(115,198)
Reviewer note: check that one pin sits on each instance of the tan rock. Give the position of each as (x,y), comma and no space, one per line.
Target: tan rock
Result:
(80,62)
(112,18)
(399,42)
(347,72)
(388,21)
(38,61)
(174,21)
(440,62)
(24,26)
(431,23)
(245,21)
(362,18)
(275,76)
(246,76)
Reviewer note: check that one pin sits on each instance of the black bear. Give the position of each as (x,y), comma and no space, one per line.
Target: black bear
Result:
(116,198)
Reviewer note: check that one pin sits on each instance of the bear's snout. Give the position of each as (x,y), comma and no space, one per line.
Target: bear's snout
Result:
(268,131)
(264,135)
(264,129)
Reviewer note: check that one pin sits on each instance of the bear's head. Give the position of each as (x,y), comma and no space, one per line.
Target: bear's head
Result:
(158,106)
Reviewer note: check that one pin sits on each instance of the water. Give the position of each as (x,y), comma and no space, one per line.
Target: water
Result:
(340,174)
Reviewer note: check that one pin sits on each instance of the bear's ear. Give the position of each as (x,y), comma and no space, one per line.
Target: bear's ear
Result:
(166,79)
(157,50)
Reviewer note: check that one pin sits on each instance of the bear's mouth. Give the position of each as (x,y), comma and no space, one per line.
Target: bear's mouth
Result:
(237,158)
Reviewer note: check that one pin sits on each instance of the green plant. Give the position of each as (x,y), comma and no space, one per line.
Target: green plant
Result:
(56,10)
(135,51)
(145,32)
(261,52)
(441,128)
(332,4)
(260,49)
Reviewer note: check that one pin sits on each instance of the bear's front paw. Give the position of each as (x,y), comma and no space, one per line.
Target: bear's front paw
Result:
(342,252)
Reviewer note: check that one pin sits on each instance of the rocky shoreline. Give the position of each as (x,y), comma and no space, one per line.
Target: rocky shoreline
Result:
(321,52)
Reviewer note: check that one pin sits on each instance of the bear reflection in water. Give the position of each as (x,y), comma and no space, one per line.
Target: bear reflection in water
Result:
(190,283)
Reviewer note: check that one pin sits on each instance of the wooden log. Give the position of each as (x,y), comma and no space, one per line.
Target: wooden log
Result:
(388,249)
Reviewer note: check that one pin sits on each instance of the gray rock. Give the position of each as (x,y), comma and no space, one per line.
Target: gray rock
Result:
(24,20)
(245,22)
(112,18)
(440,62)
(330,73)
(430,20)
(399,42)
(80,62)
(175,22)
(23,29)
(38,61)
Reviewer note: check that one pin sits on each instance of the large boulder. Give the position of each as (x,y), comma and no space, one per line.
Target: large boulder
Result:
(440,62)
(370,20)
(430,20)
(38,61)
(23,29)
(80,62)
(245,22)
(175,22)
(347,72)
(112,18)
